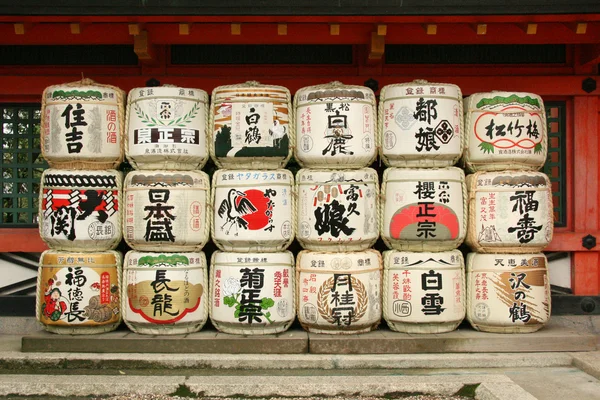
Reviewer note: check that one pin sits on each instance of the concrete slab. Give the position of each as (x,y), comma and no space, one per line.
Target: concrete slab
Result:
(556,383)
(588,362)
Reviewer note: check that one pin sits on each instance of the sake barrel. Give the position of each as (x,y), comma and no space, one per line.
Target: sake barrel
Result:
(423,209)
(167,210)
(338,209)
(79,293)
(165,293)
(166,128)
(339,293)
(509,212)
(335,125)
(250,126)
(80,210)
(508,293)
(505,130)
(253,210)
(423,292)
(420,124)
(82,125)
(252,293)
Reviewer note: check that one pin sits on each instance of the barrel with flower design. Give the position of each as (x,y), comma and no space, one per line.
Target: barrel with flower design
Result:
(165,293)
(339,293)
(252,293)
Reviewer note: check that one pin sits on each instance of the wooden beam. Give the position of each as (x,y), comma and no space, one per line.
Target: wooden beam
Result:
(184,29)
(529,28)
(376,48)
(334,29)
(143,47)
(382,29)
(430,29)
(134,29)
(579,28)
(480,29)
(21,240)
(75,28)
(589,54)
(22,27)
(282,29)
(236,29)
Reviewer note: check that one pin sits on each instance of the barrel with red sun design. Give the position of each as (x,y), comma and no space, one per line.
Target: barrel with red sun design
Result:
(253,210)
(424,209)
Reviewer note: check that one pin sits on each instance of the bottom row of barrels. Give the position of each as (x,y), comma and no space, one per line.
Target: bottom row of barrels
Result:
(262,293)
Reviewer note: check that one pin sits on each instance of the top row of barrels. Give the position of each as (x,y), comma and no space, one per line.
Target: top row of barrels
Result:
(85,125)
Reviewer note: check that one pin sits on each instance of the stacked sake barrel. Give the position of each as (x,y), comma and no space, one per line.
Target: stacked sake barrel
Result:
(167,204)
(423,217)
(252,274)
(338,275)
(510,212)
(79,278)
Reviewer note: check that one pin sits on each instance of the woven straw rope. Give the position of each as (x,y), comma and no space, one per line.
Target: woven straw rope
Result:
(90,164)
(168,164)
(257,244)
(423,162)
(174,328)
(434,327)
(251,330)
(348,164)
(108,245)
(251,162)
(507,164)
(499,329)
(166,247)
(337,246)
(82,330)
(310,327)
(435,246)
(472,232)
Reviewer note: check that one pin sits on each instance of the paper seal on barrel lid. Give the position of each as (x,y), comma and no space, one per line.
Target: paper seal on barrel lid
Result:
(167,128)
(420,124)
(335,126)
(79,293)
(251,126)
(82,125)
(509,212)
(80,210)
(505,130)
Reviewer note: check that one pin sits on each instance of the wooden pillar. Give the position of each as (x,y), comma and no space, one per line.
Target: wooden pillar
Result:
(586,202)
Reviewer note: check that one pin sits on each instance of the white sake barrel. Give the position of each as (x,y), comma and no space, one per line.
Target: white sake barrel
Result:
(420,124)
(339,293)
(80,210)
(166,210)
(335,126)
(78,293)
(505,130)
(252,293)
(250,125)
(508,293)
(509,212)
(82,125)
(253,210)
(338,210)
(423,292)
(165,293)
(166,128)
(423,209)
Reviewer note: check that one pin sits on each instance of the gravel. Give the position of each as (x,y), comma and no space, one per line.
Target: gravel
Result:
(162,397)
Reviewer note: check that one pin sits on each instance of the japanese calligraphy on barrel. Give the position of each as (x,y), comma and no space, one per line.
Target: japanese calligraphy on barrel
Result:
(165,293)
(339,293)
(423,292)
(250,125)
(420,124)
(253,210)
(166,128)
(505,130)
(423,209)
(337,209)
(252,293)
(79,293)
(80,210)
(166,210)
(82,125)
(335,125)
(509,212)
(508,293)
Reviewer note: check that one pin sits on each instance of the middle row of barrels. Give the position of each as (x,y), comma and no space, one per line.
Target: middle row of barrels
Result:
(263,210)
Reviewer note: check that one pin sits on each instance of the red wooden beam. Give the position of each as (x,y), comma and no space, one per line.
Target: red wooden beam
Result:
(590,54)
(21,239)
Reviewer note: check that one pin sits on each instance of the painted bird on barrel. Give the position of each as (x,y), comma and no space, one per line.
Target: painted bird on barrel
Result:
(234,207)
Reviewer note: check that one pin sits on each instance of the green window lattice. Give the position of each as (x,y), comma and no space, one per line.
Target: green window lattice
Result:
(22,164)
(556,164)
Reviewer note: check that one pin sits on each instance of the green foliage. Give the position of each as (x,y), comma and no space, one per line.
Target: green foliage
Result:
(229,301)
(486,147)
(266,303)
(538,148)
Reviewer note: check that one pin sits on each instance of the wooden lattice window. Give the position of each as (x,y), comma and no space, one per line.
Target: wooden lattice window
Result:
(556,164)
(22,165)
